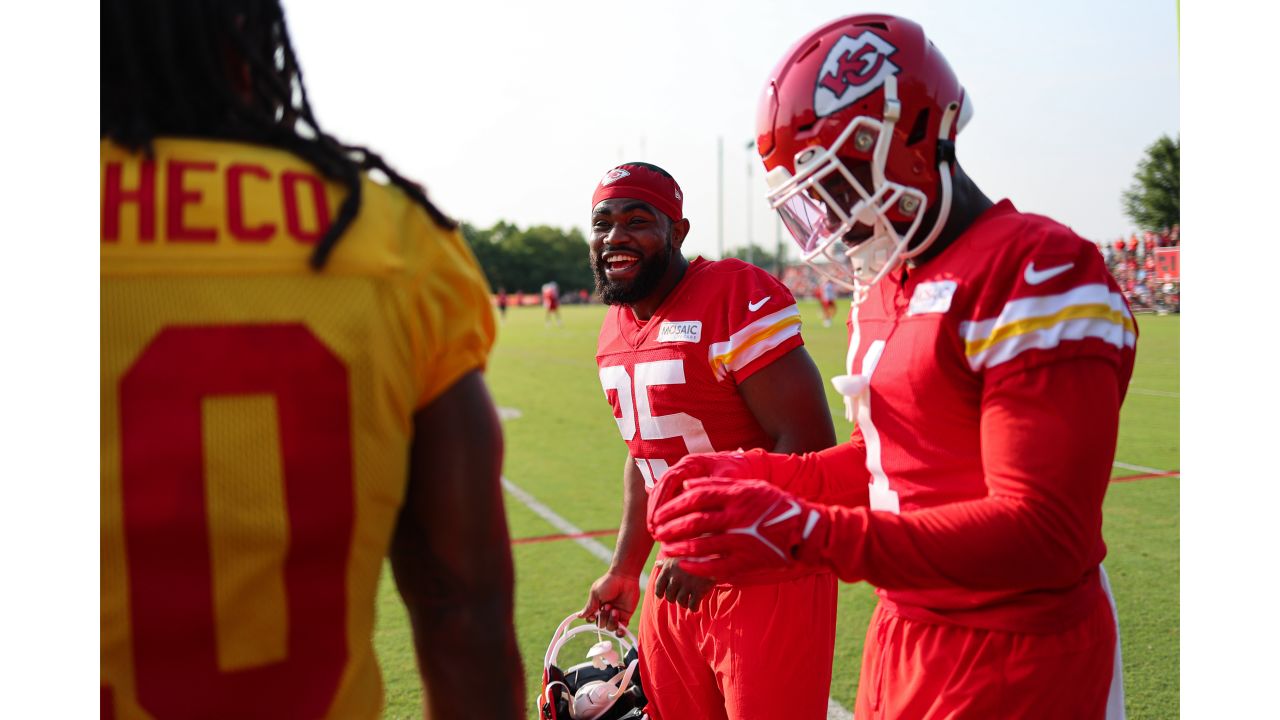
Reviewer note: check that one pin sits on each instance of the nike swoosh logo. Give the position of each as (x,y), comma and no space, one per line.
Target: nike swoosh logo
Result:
(1035,277)
(754,306)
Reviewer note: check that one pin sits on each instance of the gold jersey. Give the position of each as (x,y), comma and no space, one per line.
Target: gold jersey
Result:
(256,423)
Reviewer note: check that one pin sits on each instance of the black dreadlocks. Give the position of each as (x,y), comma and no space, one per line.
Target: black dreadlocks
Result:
(225,69)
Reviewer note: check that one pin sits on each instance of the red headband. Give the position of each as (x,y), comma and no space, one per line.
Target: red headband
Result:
(641,183)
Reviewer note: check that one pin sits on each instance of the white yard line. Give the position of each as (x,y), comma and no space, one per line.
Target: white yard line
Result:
(1139,468)
(506,413)
(591,545)
(835,711)
(1155,393)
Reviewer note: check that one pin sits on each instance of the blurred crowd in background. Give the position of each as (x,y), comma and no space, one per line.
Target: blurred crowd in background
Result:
(1146,267)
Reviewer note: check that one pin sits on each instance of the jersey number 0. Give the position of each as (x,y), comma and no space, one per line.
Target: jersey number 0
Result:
(167,524)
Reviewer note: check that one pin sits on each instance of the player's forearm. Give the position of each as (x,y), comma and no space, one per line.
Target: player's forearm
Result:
(1046,451)
(988,544)
(451,555)
(452,643)
(835,476)
(461,611)
(634,540)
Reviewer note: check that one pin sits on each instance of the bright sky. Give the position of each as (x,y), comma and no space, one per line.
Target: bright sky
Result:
(514,110)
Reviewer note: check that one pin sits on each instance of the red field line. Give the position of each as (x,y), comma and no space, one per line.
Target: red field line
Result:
(562,536)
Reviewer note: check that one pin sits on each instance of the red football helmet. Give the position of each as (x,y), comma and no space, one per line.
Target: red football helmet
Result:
(857,128)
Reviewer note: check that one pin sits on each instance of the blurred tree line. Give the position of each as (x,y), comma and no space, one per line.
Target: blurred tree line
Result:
(760,257)
(1152,200)
(522,260)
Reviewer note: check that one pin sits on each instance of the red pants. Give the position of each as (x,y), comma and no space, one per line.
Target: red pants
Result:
(914,670)
(750,652)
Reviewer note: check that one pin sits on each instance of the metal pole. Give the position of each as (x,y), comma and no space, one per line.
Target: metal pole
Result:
(777,238)
(720,197)
(751,246)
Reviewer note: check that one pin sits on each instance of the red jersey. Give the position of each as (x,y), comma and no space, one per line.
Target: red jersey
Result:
(673,380)
(1014,293)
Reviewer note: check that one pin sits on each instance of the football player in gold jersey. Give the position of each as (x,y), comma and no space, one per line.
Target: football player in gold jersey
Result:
(291,391)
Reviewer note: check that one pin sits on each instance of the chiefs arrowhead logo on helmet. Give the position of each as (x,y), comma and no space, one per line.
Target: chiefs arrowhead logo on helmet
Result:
(854,68)
(613,175)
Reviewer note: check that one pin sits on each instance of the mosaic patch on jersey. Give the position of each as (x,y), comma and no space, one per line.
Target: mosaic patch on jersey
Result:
(680,331)
(613,175)
(855,67)
(932,297)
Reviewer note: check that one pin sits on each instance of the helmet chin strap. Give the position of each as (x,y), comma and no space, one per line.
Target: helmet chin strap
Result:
(884,232)
(944,211)
(944,175)
(886,237)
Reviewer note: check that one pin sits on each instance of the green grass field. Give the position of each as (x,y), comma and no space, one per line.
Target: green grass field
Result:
(564,449)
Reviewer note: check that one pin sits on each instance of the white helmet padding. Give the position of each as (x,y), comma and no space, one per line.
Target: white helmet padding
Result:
(603,688)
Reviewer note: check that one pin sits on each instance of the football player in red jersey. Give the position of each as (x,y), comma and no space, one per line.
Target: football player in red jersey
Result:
(695,357)
(827,299)
(289,396)
(989,354)
(551,302)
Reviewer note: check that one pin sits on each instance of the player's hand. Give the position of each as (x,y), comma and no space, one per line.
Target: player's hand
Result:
(675,585)
(723,528)
(737,464)
(611,602)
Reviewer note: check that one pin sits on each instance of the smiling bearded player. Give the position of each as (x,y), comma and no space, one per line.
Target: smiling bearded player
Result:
(989,354)
(696,357)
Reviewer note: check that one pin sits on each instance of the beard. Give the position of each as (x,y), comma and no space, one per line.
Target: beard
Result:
(651,271)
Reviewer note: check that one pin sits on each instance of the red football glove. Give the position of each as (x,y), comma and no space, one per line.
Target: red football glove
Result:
(723,528)
(751,464)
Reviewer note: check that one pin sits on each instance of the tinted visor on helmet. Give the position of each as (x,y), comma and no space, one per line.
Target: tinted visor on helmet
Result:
(806,220)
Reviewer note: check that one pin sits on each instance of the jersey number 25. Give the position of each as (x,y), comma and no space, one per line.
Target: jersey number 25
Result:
(652,427)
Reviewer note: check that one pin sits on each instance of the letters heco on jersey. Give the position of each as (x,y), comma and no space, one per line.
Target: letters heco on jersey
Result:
(854,68)
(177,192)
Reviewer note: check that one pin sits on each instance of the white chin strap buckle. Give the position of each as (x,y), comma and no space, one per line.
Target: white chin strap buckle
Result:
(850,386)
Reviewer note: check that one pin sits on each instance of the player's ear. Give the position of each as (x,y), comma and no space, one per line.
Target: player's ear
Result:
(679,229)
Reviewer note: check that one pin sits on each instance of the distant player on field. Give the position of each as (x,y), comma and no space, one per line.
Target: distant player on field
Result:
(827,299)
(989,354)
(696,357)
(291,390)
(551,302)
